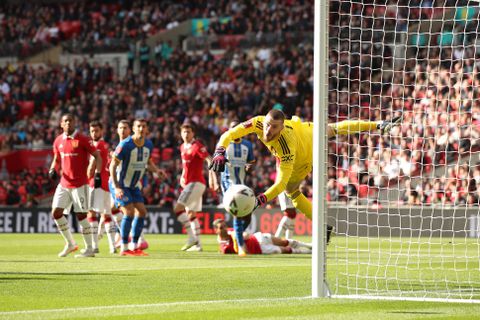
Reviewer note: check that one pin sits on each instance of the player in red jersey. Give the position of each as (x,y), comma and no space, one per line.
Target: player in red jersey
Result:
(100,200)
(72,149)
(192,181)
(257,243)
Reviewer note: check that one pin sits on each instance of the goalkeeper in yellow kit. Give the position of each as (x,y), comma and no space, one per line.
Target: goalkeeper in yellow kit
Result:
(291,142)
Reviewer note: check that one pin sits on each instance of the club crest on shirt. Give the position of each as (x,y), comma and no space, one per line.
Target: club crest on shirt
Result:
(75,143)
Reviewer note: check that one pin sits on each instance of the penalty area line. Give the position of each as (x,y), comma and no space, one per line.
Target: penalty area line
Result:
(149,305)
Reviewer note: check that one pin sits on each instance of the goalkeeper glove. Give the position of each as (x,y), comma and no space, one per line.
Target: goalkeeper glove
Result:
(386,126)
(53,174)
(260,200)
(219,160)
(97,180)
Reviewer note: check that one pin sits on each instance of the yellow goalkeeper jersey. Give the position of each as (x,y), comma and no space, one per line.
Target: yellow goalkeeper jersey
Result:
(293,149)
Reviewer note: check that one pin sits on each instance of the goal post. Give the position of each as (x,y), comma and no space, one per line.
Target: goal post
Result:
(404,204)
(320,102)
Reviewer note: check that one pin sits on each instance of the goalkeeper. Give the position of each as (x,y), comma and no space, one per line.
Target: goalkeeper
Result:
(291,142)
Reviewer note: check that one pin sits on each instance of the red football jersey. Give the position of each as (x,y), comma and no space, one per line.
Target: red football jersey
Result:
(102,146)
(74,152)
(253,247)
(193,155)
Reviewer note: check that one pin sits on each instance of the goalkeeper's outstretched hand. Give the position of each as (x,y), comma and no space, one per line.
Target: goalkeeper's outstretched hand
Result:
(218,161)
(260,200)
(386,126)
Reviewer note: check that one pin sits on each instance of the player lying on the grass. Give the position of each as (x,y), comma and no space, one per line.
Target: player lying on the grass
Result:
(291,142)
(257,243)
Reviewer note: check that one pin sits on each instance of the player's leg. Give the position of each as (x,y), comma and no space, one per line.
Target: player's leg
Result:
(194,206)
(186,200)
(301,202)
(287,224)
(354,126)
(137,227)
(298,198)
(110,230)
(96,206)
(80,198)
(61,200)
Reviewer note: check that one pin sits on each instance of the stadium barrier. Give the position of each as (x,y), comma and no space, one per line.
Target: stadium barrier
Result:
(360,221)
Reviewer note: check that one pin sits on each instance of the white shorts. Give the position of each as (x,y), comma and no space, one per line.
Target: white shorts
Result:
(191,196)
(266,243)
(64,198)
(285,202)
(100,201)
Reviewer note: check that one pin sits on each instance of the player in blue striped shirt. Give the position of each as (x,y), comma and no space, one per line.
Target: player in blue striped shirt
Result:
(240,158)
(129,162)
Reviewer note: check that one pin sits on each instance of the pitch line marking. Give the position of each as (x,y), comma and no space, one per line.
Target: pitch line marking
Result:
(149,305)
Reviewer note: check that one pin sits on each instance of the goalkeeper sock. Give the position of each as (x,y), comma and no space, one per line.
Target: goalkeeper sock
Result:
(301,250)
(94,225)
(64,228)
(353,126)
(183,219)
(86,230)
(302,203)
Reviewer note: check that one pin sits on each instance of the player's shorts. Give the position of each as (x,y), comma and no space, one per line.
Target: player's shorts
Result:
(285,202)
(301,172)
(130,195)
(100,201)
(266,243)
(64,198)
(191,196)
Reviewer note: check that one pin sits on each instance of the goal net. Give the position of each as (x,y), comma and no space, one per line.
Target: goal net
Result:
(405,205)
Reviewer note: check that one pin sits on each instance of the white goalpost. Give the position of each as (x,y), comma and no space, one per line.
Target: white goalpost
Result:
(405,205)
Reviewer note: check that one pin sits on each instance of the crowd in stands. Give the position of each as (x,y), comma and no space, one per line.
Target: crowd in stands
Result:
(29,27)
(209,91)
(429,157)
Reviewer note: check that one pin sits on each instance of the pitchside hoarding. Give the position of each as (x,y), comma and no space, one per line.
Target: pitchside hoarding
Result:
(159,220)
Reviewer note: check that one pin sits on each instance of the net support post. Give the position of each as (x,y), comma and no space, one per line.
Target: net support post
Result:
(320,106)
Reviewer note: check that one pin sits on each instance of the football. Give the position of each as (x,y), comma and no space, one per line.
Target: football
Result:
(239,200)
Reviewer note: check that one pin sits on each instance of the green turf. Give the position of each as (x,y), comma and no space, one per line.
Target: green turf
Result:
(35,284)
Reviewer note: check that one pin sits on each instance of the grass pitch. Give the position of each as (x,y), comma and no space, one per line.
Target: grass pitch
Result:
(169,284)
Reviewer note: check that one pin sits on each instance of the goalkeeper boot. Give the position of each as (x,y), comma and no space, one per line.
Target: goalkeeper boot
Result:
(68,249)
(330,233)
(386,126)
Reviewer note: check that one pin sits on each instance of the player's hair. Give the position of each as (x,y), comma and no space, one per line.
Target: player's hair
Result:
(96,123)
(124,121)
(68,114)
(188,124)
(140,120)
(276,114)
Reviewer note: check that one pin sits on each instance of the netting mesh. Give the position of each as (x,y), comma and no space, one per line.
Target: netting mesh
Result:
(405,204)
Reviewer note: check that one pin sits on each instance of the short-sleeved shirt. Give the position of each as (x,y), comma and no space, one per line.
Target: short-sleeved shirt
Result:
(133,162)
(74,152)
(193,155)
(102,147)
